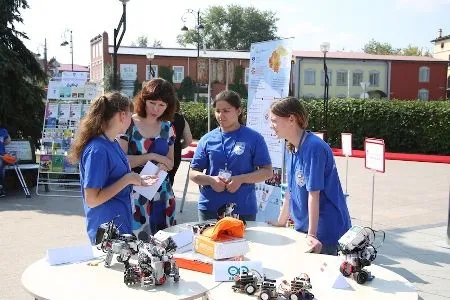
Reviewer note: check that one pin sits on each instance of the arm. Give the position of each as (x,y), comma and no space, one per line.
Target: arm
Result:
(166,162)
(216,183)
(142,159)
(284,212)
(261,174)
(313,214)
(187,135)
(95,197)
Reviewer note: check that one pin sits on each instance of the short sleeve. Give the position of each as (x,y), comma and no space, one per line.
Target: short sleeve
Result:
(200,159)
(314,171)
(95,165)
(261,155)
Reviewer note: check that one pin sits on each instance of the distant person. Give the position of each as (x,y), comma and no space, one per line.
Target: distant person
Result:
(183,138)
(235,157)
(314,198)
(5,139)
(105,175)
(150,137)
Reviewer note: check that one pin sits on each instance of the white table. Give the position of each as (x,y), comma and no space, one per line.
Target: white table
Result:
(80,281)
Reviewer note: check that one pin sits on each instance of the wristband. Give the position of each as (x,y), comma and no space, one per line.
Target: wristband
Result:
(312,235)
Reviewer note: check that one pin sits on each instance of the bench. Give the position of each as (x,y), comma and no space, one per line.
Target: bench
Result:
(23,150)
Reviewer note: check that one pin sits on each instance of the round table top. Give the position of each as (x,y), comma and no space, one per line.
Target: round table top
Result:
(80,281)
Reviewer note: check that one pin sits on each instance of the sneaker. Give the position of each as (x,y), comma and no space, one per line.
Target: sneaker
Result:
(2,194)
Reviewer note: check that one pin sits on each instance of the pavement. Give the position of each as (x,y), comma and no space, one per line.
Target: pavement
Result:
(411,203)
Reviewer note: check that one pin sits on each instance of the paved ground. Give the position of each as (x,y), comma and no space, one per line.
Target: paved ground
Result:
(411,204)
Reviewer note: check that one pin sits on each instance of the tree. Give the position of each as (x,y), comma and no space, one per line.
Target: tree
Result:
(415,51)
(233,27)
(22,79)
(157,44)
(141,41)
(374,47)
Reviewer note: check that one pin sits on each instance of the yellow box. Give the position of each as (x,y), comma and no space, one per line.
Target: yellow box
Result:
(220,250)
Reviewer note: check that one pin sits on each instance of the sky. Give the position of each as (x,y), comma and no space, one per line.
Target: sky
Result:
(346,24)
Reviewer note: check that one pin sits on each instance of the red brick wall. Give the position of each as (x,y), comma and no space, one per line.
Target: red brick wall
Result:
(405,83)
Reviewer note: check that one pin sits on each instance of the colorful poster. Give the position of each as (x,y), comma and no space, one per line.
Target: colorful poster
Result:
(269,75)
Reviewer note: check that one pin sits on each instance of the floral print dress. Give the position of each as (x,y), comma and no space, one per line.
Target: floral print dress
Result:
(152,215)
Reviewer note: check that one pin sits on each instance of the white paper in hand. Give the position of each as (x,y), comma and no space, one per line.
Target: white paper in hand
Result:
(150,191)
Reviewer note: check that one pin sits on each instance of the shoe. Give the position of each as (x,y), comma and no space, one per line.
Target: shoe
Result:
(2,194)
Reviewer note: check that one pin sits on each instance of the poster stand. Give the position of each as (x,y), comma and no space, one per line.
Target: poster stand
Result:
(375,161)
(346,146)
(68,100)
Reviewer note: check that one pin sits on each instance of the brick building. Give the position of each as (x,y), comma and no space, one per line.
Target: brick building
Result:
(132,64)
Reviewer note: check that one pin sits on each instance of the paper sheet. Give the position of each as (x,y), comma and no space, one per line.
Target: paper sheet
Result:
(150,191)
(73,254)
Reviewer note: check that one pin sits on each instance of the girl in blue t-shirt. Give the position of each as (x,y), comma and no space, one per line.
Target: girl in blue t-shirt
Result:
(315,200)
(235,157)
(105,175)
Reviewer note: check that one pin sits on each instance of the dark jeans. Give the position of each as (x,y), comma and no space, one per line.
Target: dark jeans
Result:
(205,215)
(2,173)
(329,250)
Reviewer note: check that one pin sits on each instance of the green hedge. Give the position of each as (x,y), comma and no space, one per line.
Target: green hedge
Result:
(405,126)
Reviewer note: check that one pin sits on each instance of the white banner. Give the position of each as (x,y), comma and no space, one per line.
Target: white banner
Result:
(375,154)
(269,74)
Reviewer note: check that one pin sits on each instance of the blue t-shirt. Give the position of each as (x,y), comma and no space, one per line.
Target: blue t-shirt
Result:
(312,168)
(245,149)
(3,136)
(103,163)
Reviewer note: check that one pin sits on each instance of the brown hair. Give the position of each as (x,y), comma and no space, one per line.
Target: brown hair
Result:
(291,106)
(231,98)
(102,110)
(156,89)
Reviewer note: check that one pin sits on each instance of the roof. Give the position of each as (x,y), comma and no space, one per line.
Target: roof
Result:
(182,52)
(441,38)
(365,56)
(76,68)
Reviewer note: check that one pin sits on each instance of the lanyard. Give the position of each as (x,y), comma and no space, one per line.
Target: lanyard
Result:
(292,159)
(121,154)
(228,154)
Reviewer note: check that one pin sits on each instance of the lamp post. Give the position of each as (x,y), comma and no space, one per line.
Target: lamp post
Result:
(123,20)
(150,56)
(198,28)
(325,47)
(45,56)
(65,43)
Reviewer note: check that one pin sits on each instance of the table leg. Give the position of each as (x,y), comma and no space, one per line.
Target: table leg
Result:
(186,184)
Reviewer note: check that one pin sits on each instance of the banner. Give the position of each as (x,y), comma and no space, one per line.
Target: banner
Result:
(269,75)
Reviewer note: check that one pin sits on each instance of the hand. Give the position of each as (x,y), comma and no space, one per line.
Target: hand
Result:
(217,184)
(234,184)
(148,180)
(161,159)
(314,243)
(164,167)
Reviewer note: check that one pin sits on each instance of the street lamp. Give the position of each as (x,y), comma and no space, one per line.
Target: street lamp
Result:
(65,43)
(150,56)
(198,27)
(45,56)
(325,47)
(123,21)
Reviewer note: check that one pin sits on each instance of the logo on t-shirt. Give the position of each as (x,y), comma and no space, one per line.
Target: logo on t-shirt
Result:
(239,148)
(300,178)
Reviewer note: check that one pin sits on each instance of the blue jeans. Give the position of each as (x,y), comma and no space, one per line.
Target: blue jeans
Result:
(330,249)
(205,215)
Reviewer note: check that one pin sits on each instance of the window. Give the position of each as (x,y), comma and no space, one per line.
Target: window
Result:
(178,74)
(357,78)
(424,74)
(147,72)
(423,94)
(322,77)
(374,78)
(442,45)
(246,76)
(341,77)
(309,96)
(310,77)
(341,96)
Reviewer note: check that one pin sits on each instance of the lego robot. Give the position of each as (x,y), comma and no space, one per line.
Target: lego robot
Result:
(357,251)
(250,283)
(111,242)
(155,264)
(297,289)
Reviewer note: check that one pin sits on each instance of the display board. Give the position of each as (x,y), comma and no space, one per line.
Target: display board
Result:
(68,100)
(269,75)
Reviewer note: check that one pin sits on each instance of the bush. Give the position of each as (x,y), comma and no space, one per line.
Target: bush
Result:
(405,126)
(186,90)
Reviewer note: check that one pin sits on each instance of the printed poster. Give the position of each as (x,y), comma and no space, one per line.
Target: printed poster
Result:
(269,75)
